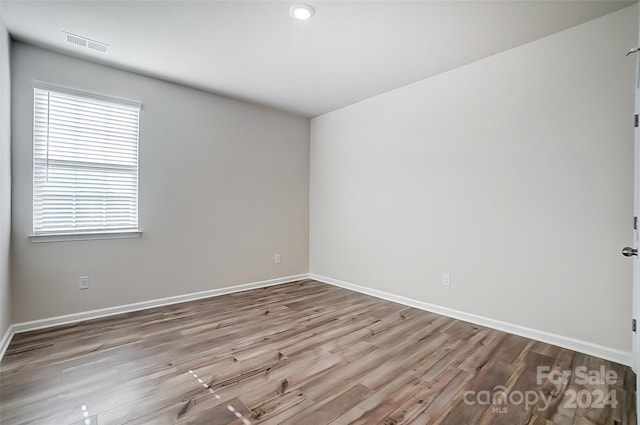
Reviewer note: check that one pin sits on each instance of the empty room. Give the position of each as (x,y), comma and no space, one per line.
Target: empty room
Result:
(319,212)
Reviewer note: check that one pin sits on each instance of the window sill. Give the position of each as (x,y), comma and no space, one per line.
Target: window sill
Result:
(84,236)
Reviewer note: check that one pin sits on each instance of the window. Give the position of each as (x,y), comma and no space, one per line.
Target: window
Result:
(85,165)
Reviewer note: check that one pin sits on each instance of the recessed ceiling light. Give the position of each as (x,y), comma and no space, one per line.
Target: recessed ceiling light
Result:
(301,12)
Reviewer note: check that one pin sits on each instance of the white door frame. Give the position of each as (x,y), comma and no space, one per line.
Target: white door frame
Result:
(635,362)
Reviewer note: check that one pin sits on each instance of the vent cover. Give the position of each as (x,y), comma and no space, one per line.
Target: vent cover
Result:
(86,42)
(101,47)
(76,40)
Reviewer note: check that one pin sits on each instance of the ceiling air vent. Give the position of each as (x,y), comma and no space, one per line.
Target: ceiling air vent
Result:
(101,47)
(76,40)
(86,42)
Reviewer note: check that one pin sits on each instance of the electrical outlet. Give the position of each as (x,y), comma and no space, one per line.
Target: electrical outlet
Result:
(84,282)
(446,279)
(276,259)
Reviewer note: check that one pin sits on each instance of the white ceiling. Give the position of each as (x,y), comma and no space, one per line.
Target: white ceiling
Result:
(253,50)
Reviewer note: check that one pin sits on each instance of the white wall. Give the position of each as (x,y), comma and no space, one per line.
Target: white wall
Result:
(5,178)
(223,187)
(514,174)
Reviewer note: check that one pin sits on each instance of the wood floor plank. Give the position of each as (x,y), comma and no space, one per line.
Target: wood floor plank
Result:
(325,411)
(408,409)
(444,400)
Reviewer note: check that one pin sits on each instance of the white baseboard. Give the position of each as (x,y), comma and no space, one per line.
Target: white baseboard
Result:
(618,356)
(615,355)
(6,339)
(110,311)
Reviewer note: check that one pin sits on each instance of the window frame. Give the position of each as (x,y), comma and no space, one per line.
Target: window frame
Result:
(82,234)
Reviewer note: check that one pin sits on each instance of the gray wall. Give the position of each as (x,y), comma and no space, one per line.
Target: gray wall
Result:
(513,174)
(224,185)
(5,178)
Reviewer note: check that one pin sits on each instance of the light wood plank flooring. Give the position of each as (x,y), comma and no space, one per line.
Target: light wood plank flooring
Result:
(303,353)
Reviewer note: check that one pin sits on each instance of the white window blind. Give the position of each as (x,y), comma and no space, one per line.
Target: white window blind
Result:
(85,164)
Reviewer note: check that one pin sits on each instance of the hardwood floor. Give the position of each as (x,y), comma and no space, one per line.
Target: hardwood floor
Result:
(302,353)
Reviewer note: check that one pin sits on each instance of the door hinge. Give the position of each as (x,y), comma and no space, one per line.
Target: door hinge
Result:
(636,121)
(635,223)
(633,325)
